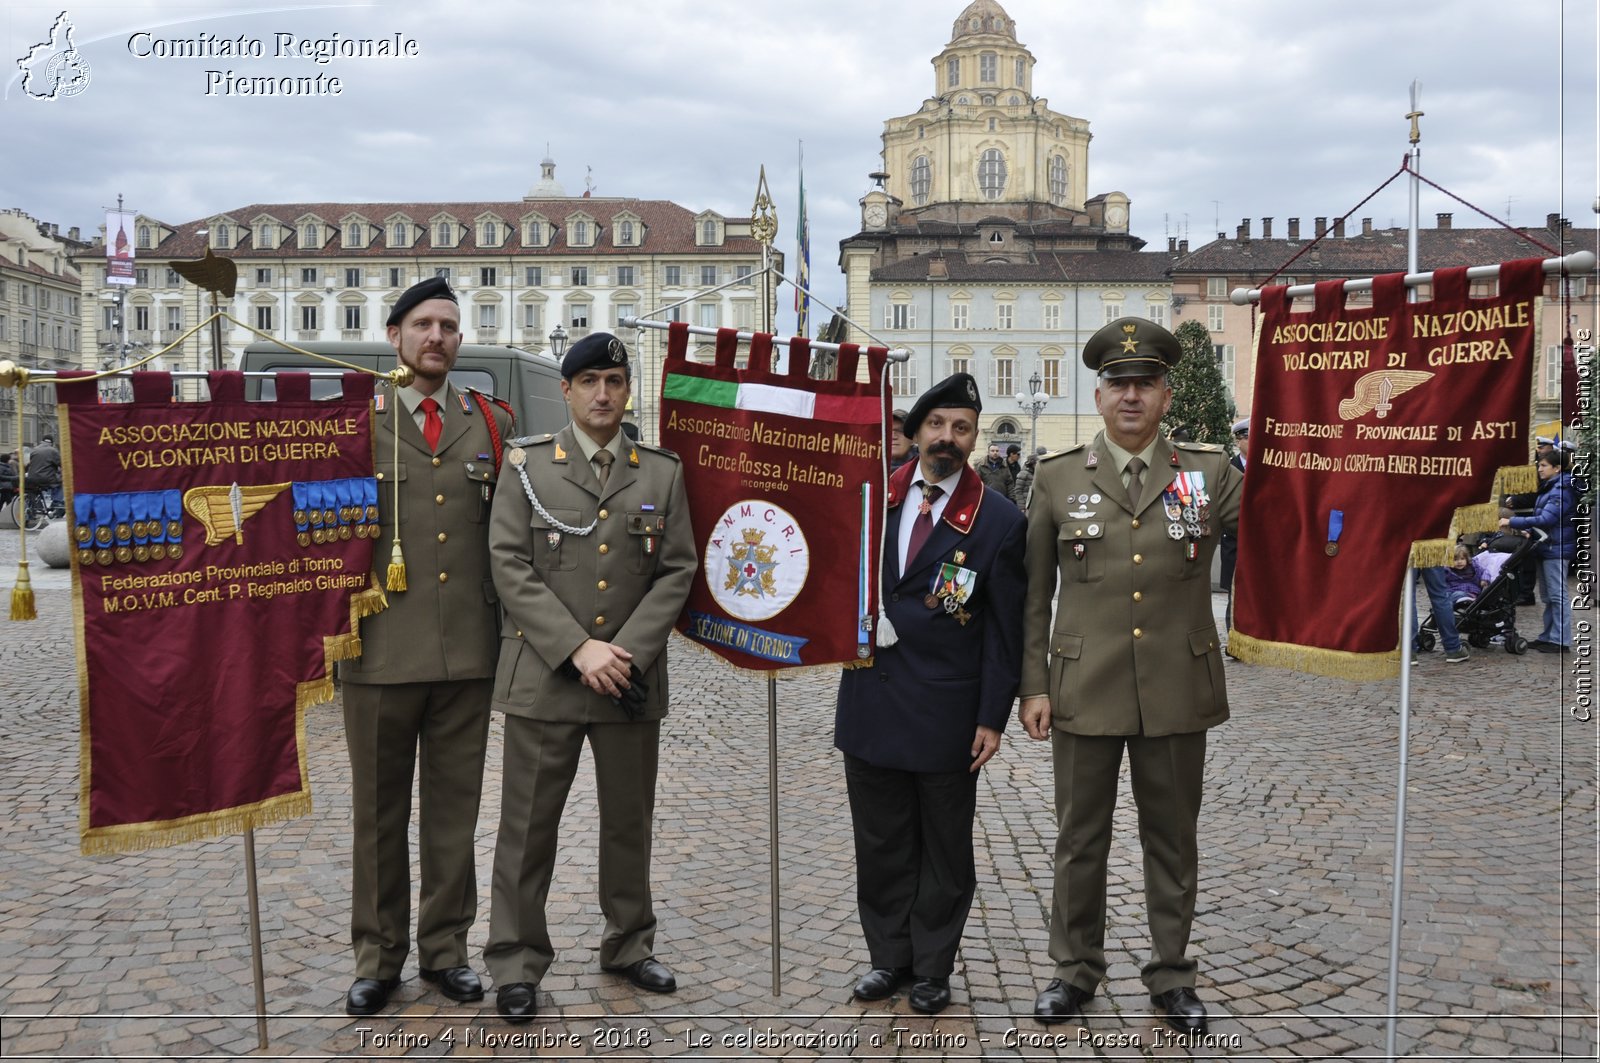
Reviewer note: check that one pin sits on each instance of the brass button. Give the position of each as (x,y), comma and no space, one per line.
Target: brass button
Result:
(437,463)
(1138,559)
(599,621)
(602,584)
(604,514)
(380,476)
(444,577)
(519,633)
(1138,596)
(1135,522)
(1078,532)
(443,537)
(1138,633)
(439,499)
(604,549)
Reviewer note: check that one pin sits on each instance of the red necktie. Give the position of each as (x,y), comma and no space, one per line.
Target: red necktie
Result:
(432,423)
(923,526)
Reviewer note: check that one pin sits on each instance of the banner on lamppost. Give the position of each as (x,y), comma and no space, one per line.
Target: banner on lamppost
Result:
(223,553)
(119,247)
(786,478)
(1380,432)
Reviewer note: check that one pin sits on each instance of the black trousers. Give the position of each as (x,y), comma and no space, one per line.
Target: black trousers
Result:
(914,865)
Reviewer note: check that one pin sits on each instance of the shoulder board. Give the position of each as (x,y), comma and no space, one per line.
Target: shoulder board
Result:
(658,450)
(1207,448)
(529,441)
(1065,450)
(497,400)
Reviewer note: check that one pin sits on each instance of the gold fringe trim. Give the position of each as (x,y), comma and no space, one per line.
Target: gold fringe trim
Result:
(22,601)
(135,837)
(341,647)
(1478,517)
(1314,660)
(313,692)
(367,603)
(1516,480)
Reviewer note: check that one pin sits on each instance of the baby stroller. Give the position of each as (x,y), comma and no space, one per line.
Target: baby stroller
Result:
(1493,613)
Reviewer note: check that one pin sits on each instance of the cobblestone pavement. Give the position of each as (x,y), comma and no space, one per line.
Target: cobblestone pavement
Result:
(147,955)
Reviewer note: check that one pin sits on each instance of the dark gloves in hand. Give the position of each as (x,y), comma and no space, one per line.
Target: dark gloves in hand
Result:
(633,696)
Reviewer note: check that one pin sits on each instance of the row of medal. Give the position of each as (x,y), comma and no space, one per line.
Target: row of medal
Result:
(328,511)
(128,526)
(1188,509)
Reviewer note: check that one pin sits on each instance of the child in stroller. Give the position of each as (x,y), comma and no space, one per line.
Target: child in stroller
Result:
(1493,613)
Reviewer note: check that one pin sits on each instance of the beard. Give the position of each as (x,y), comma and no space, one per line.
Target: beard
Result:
(945,459)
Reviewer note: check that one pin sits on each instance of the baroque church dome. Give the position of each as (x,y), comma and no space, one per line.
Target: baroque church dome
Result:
(983,18)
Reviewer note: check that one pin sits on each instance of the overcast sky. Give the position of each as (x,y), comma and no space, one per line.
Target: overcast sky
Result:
(1203,114)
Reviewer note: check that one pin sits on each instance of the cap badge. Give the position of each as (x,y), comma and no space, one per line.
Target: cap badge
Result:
(972,391)
(617,352)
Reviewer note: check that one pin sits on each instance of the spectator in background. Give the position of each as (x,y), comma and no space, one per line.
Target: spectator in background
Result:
(1023,487)
(1461,581)
(1552,514)
(901,448)
(994,472)
(1228,546)
(44,470)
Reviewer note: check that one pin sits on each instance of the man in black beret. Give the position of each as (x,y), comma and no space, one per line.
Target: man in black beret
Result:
(918,723)
(1126,525)
(417,699)
(593,556)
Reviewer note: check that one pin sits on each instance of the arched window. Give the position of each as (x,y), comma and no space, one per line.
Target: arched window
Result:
(709,235)
(1058,179)
(535,234)
(224,237)
(625,233)
(443,239)
(580,233)
(397,237)
(144,236)
(992,174)
(988,68)
(491,234)
(308,237)
(952,72)
(264,235)
(352,234)
(921,180)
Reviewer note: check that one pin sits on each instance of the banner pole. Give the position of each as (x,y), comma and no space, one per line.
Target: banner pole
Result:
(772,831)
(1408,618)
(255,936)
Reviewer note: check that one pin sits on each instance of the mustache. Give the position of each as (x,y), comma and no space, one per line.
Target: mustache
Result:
(945,448)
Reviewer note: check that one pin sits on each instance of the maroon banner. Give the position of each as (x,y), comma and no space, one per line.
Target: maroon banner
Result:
(1379,434)
(223,550)
(786,493)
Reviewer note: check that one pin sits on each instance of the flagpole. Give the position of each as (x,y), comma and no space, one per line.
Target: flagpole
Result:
(1408,613)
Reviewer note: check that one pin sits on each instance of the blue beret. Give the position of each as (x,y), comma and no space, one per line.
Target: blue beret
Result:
(958,391)
(1131,346)
(420,292)
(597,350)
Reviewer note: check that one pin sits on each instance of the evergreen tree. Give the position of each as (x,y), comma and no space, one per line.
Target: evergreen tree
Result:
(1200,400)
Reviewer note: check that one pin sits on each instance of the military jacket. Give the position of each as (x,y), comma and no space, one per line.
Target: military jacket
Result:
(1133,648)
(623,581)
(445,626)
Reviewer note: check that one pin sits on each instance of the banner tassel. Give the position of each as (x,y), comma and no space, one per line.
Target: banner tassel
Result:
(887,636)
(22,604)
(397,569)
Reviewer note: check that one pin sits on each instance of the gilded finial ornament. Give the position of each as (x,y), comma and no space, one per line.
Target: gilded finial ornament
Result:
(763,216)
(213,274)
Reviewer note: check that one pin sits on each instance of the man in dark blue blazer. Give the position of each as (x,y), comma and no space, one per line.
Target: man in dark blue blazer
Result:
(917,722)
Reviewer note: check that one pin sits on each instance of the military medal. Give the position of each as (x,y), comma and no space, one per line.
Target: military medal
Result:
(1335,529)
(931,601)
(553,540)
(85,557)
(175,551)
(1174,531)
(124,554)
(1193,529)
(158,551)
(1078,551)
(141,553)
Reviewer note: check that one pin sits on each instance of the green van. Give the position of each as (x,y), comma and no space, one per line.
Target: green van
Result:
(531,383)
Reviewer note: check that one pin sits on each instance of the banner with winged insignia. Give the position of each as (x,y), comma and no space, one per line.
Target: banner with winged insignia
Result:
(786,477)
(222,553)
(1380,432)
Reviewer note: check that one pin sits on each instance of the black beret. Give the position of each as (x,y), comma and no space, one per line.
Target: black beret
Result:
(958,391)
(597,350)
(1014,448)
(420,292)
(1131,346)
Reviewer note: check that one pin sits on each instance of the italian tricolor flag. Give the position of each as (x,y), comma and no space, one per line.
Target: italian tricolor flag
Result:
(771,398)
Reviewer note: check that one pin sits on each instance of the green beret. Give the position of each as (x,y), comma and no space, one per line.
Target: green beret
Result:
(1131,346)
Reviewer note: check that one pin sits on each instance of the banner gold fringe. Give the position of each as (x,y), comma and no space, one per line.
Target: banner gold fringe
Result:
(22,601)
(367,602)
(1479,517)
(1314,660)
(137,837)
(313,692)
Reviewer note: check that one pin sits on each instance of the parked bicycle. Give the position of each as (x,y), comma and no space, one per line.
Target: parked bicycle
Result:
(35,510)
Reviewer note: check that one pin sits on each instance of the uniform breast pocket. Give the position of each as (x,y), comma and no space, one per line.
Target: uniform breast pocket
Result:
(481,479)
(553,549)
(1082,548)
(1183,566)
(388,475)
(646,529)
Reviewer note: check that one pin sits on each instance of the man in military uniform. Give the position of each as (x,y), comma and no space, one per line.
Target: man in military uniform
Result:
(916,727)
(593,555)
(1127,525)
(424,676)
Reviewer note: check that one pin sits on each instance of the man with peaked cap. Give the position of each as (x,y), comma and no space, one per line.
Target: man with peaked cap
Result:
(593,555)
(422,682)
(925,715)
(1126,525)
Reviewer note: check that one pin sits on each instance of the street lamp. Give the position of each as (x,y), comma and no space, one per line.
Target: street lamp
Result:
(558,341)
(1033,402)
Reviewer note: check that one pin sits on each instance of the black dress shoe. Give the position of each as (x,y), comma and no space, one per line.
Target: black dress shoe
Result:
(1060,1002)
(368,996)
(515,1002)
(1182,1009)
(881,982)
(649,973)
(460,984)
(930,995)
